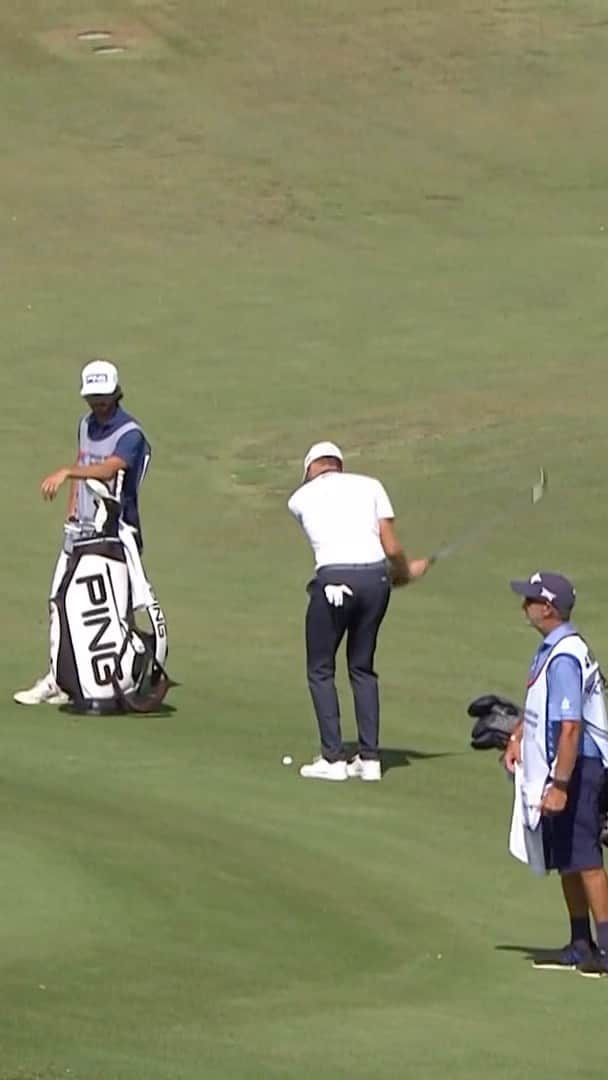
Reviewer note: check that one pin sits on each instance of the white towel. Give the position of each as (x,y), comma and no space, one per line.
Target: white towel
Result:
(526,835)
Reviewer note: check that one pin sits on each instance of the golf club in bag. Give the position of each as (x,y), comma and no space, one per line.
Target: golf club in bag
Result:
(99,656)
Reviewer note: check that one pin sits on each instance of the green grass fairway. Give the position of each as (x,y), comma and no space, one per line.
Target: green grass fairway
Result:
(381,223)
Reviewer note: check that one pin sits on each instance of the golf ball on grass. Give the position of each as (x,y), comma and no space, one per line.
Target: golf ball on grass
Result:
(287,760)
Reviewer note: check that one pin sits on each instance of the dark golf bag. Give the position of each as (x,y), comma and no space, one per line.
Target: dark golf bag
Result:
(99,656)
(496,718)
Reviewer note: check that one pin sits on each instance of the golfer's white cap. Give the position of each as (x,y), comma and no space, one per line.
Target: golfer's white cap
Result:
(319,450)
(98,377)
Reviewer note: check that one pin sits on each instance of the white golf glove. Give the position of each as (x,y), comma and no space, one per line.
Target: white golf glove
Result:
(72,531)
(72,527)
(334,594)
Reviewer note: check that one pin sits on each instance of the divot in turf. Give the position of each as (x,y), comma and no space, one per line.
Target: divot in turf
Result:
(108,50)
(94,35)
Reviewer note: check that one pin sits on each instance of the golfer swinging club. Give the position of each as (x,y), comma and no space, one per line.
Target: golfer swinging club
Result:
(349,522)
(111,447)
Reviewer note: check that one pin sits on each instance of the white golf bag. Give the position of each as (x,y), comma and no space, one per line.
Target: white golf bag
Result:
(99,656)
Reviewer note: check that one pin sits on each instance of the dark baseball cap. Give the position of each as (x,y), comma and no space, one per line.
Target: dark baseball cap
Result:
(544,585)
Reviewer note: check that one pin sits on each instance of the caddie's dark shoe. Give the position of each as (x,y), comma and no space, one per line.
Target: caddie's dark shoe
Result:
(596,967)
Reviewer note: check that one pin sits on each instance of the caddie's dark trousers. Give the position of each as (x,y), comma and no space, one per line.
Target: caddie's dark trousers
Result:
(359,618)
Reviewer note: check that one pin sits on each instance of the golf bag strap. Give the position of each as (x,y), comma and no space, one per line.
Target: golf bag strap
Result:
(160,684)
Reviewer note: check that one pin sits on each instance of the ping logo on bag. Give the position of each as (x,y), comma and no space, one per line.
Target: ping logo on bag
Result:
(104,650)
(99,656)
(157,616)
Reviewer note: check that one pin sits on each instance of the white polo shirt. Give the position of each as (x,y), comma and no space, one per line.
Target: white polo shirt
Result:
(340,514)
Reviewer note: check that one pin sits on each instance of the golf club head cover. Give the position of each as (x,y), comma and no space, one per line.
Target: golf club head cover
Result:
(107,505)
(495,719)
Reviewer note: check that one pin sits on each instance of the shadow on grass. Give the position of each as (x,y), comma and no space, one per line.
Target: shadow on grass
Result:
(532,953)
(394,758)
(93,714)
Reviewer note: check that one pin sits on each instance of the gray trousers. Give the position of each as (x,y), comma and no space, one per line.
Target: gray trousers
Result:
(359,618)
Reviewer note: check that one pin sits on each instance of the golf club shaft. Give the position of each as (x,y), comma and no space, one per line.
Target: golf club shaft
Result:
(479,531)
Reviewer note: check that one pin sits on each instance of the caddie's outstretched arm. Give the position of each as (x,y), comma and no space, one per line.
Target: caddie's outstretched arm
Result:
(403,570)
(101,470)
(73,496)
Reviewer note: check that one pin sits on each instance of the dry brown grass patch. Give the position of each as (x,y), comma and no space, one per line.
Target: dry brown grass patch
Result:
(136,38)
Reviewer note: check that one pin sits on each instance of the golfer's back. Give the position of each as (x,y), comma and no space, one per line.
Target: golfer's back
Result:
(340,513)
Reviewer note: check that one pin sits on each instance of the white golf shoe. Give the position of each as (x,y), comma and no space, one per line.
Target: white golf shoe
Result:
(324,770)
(44,691)
(364,769)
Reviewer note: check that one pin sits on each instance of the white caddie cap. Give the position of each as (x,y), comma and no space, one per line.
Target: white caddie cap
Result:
(319,450)
(98,377)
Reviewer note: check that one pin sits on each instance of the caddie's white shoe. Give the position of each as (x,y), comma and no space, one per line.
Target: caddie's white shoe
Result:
(44,691)
(364,769)
(324,770)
